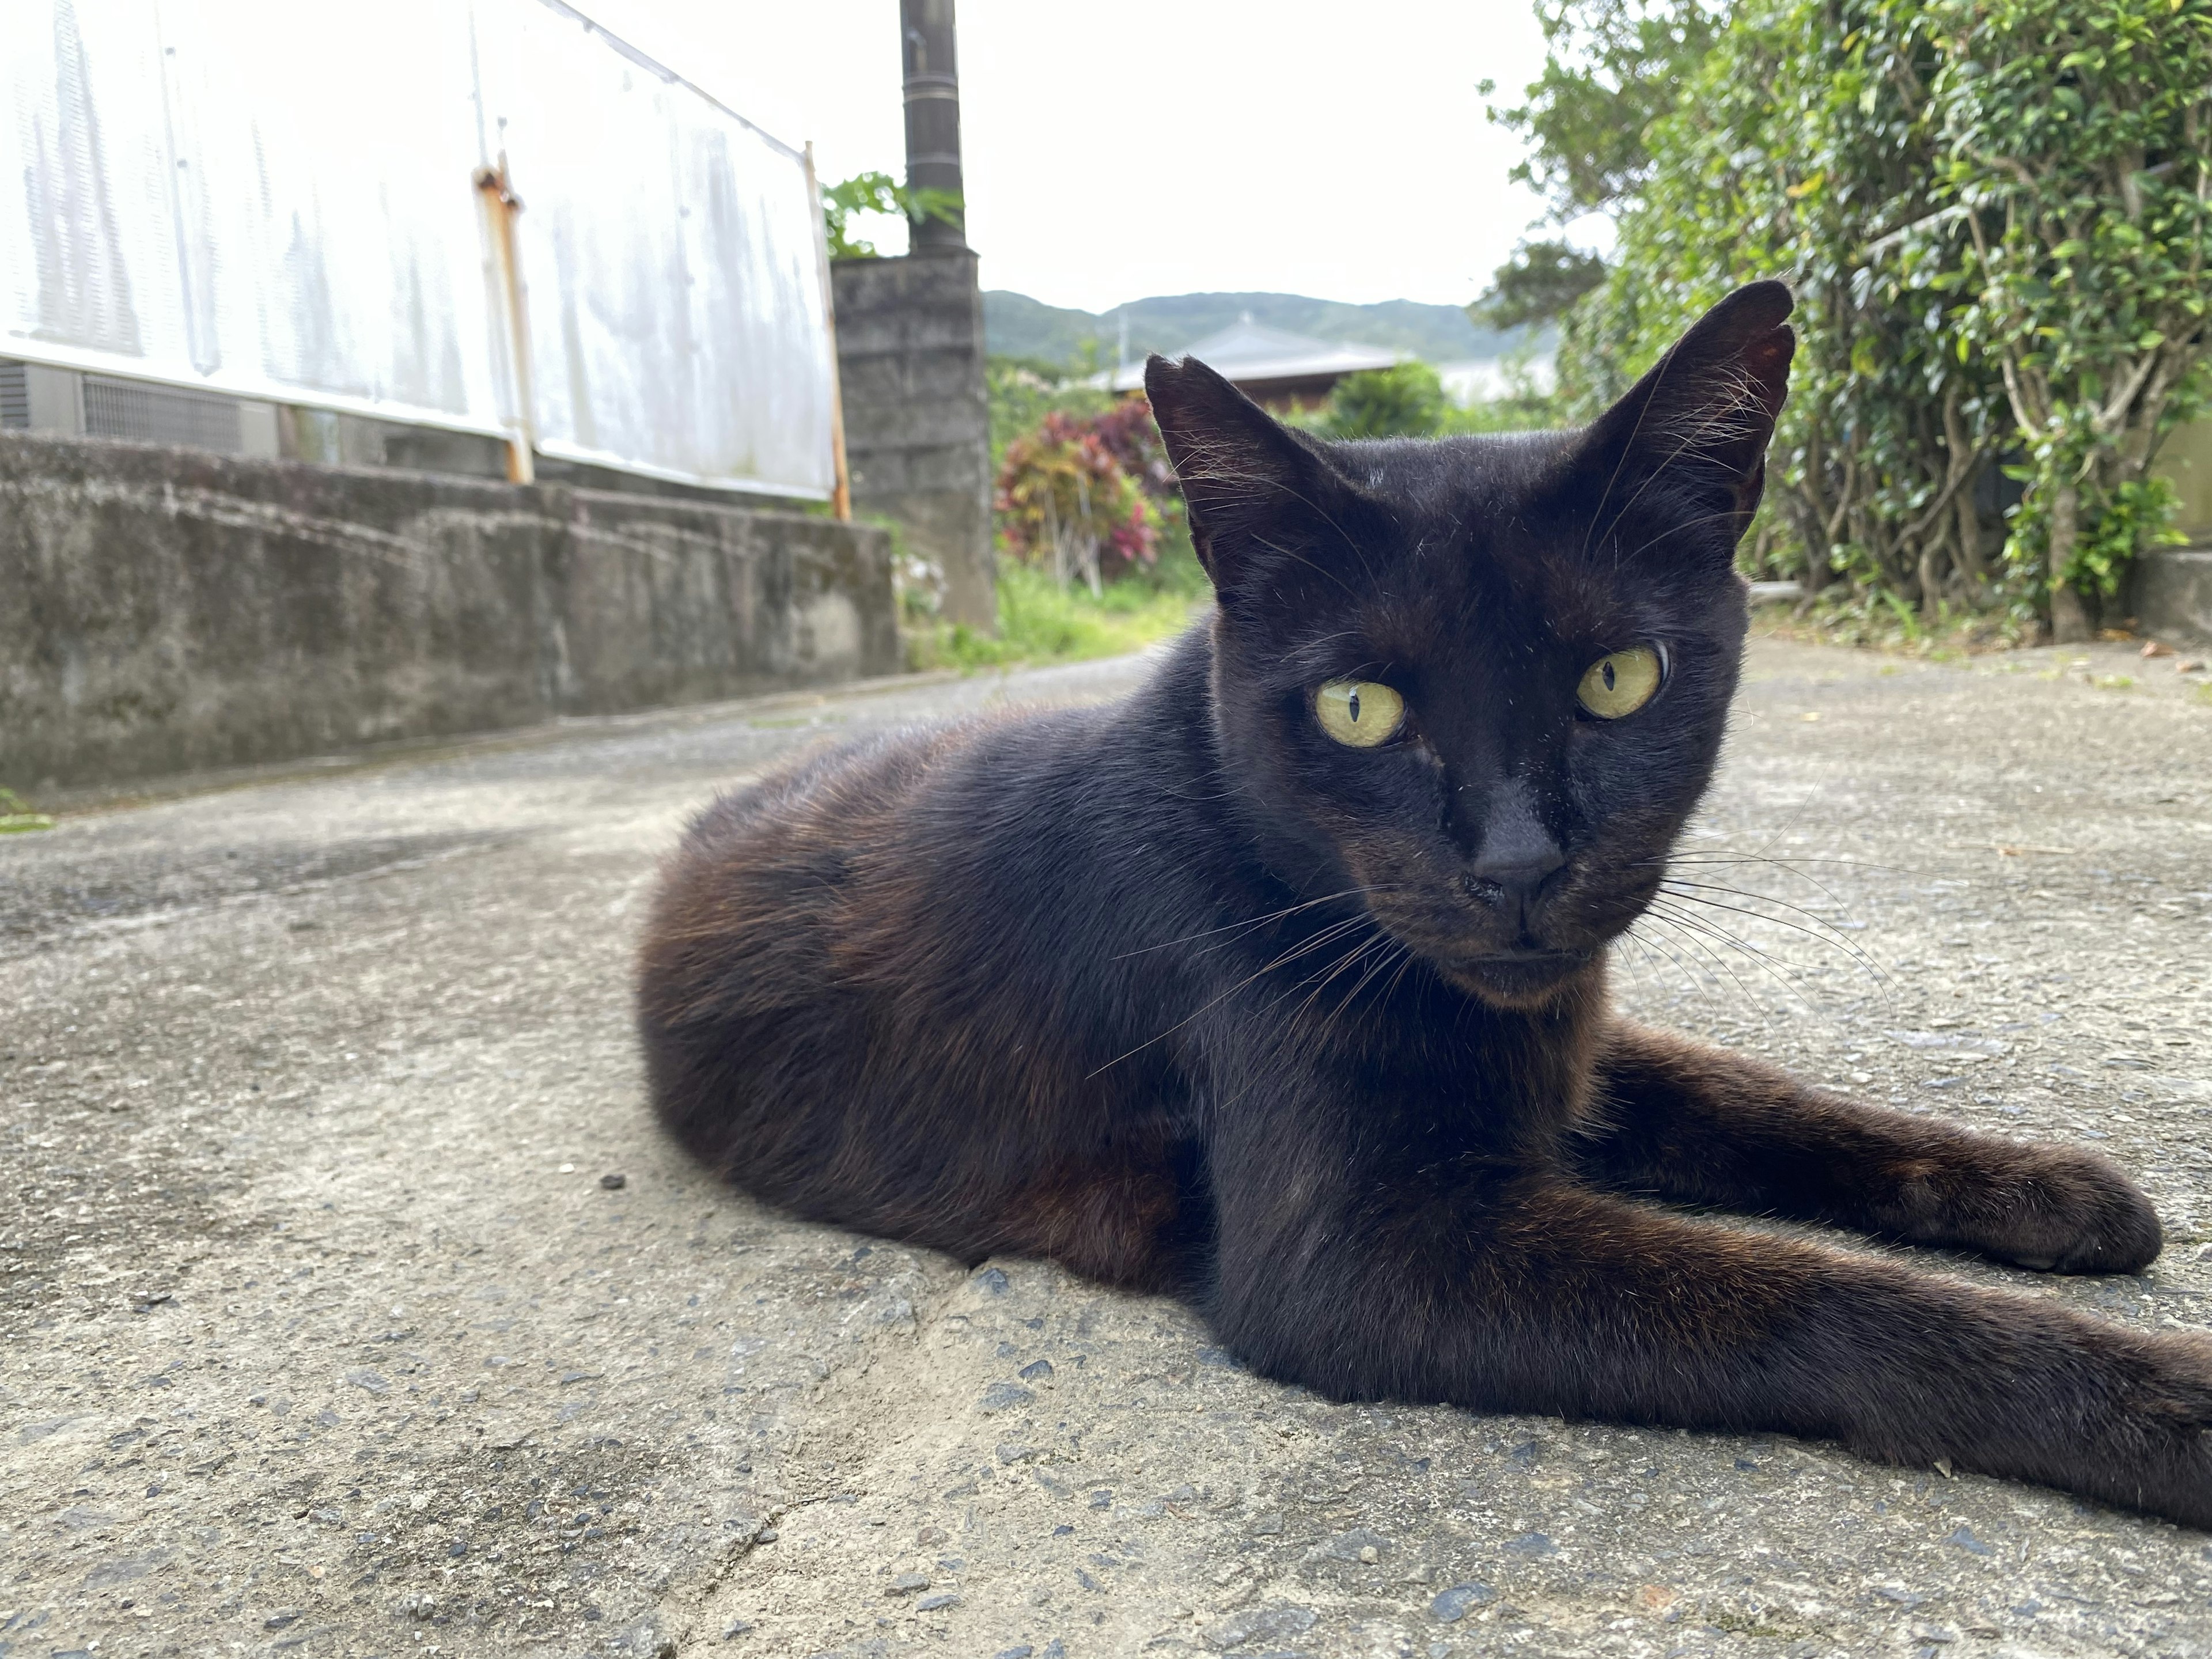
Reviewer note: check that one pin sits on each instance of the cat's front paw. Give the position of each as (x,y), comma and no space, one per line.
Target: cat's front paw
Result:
(2155,1454)
(2119,1415)
(2063,1211)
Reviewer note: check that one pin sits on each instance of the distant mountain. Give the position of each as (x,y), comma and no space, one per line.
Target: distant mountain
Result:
(1015,325)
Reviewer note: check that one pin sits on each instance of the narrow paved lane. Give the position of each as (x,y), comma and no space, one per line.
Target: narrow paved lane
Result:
(324,1326)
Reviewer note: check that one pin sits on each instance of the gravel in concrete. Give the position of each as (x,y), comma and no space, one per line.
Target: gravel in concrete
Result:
(330,1328)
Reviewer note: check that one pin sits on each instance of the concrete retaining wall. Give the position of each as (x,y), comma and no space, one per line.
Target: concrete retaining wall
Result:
(2170,595)
(164,610)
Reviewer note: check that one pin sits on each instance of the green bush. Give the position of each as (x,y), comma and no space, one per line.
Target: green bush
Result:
(1406,400)
(2075,138)
(1023,391)
(1995,215)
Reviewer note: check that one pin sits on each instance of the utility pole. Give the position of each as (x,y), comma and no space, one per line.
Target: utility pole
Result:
(933,117)
(910,351)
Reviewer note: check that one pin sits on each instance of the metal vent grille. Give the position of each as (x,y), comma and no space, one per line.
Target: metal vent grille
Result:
(15,397)
(160,415)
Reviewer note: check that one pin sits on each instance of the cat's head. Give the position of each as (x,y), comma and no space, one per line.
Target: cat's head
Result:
(1484,680)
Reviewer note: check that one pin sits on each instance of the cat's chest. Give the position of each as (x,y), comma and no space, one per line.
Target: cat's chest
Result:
(1482,1082)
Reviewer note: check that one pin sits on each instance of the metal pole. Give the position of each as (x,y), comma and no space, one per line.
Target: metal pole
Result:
(501,204)
(841,493)
(932,116)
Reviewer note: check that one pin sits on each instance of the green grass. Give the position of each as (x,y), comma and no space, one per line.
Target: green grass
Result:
(16,818)
(1882,622)
(1041,621)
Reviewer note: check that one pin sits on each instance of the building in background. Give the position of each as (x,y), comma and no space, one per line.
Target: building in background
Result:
(466,235)
(1282,370)
(1271,366)
(1471,380)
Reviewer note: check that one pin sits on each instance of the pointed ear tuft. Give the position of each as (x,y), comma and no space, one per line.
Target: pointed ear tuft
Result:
(1242,471)
(1706,411)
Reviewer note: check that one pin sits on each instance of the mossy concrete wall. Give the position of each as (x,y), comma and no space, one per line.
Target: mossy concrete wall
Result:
(163,610)
(2170,593)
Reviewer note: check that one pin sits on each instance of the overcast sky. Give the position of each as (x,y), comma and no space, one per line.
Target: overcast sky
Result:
(1161,146)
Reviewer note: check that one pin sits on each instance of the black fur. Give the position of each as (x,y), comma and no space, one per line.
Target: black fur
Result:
(1186,994)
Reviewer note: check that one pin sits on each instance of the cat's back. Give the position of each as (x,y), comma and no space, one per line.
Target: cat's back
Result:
(788,887)
(890,931)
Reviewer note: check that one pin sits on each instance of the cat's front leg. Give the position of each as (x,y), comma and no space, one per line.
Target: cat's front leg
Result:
(1678,1119)
(1437,1283)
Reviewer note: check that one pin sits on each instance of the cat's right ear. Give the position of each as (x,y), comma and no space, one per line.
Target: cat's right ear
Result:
(1243,473)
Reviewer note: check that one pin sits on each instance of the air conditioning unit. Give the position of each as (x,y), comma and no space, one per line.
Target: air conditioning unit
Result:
(161,414)
(14,395)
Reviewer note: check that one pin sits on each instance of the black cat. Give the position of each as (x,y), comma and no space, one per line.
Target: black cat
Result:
(1280,983)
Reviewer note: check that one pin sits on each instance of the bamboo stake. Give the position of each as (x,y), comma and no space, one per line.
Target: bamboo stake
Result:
(841,493)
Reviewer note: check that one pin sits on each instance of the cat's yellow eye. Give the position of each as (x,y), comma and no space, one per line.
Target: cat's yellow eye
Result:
(1620,684)
(1359,714)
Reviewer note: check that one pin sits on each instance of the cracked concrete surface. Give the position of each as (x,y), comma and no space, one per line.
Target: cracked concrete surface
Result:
(326,1331)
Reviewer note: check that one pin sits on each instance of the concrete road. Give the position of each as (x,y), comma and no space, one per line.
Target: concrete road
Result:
(328,1327)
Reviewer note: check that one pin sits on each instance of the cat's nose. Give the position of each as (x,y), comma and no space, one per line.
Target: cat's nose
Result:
(1518,855)
(1512,882)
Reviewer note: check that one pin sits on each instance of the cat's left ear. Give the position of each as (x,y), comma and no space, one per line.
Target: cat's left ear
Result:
(1702,417)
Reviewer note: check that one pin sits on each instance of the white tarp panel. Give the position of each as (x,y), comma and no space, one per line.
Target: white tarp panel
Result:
(668,249)
(277,200)
(231,197)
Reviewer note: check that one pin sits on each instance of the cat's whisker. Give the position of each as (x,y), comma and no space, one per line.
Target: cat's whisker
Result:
(1297,558)
(1837,943)
(1699,985)
(1671,904)
(1671,531)
(1392,951)
(1634,966)
(1717,982)
(1683,889)
(1660,954)
(1697,937)
(1788,865)
(1764,847)
(1406,959)
(1782,973)
(1343,960)
(1256,922)
(1720,858)
(1327,935)
(1706,866)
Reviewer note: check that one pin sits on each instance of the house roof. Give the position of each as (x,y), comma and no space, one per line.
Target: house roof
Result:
(1247,352)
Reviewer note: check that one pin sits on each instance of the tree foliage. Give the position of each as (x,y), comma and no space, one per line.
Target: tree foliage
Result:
(1540,283)
(1994,214)
(2075,139)
(877,192)
(1611,69)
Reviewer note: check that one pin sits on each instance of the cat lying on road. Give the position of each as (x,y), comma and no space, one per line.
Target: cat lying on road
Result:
(1280,983)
